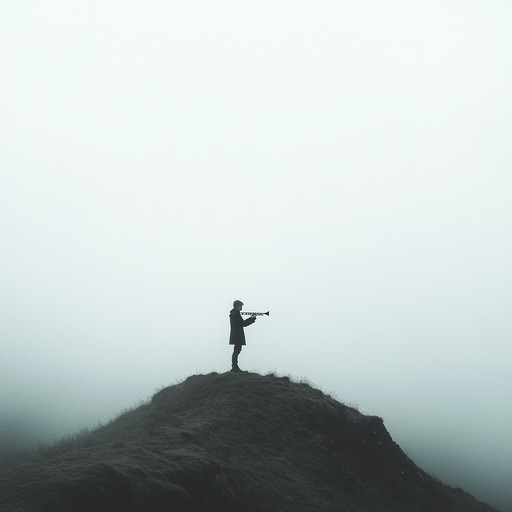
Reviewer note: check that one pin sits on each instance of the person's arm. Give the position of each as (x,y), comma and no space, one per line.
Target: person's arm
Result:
(249,321)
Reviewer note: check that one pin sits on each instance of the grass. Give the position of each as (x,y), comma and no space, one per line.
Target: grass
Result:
(230,443)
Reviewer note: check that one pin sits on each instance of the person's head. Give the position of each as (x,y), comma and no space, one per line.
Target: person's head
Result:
(238,304)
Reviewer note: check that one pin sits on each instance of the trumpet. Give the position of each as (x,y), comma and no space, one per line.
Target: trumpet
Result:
(255,314)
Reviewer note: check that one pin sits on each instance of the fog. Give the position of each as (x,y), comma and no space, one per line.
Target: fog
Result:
(345,165)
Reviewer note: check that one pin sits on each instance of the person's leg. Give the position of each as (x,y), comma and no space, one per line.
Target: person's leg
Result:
(234,358)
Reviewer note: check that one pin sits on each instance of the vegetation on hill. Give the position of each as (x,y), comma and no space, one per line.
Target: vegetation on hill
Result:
(231,443)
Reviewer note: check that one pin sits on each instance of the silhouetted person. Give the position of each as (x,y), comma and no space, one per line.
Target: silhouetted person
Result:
(237,335)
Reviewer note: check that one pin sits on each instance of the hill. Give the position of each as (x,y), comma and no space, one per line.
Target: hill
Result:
(231,443)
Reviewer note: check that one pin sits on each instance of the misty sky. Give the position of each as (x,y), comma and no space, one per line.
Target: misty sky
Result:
(347,165)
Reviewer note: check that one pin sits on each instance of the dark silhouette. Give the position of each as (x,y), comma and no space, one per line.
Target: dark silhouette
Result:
(237,335)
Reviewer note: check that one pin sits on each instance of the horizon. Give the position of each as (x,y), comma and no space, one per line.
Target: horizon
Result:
(346,167)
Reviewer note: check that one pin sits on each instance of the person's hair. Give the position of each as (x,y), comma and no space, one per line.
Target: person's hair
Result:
(237,303)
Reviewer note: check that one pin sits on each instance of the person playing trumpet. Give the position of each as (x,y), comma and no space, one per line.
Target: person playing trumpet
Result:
(237,335)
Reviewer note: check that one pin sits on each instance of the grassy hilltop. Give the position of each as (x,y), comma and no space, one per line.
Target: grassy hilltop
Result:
(230,443)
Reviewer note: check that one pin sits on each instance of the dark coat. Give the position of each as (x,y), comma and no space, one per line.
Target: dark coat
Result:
(237,336)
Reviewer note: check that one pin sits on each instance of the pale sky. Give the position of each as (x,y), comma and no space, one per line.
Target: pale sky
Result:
(346,165)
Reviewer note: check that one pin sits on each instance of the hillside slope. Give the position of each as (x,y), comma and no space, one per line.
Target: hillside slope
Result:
(231,443)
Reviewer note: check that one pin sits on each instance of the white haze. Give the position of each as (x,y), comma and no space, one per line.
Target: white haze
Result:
(346,165)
